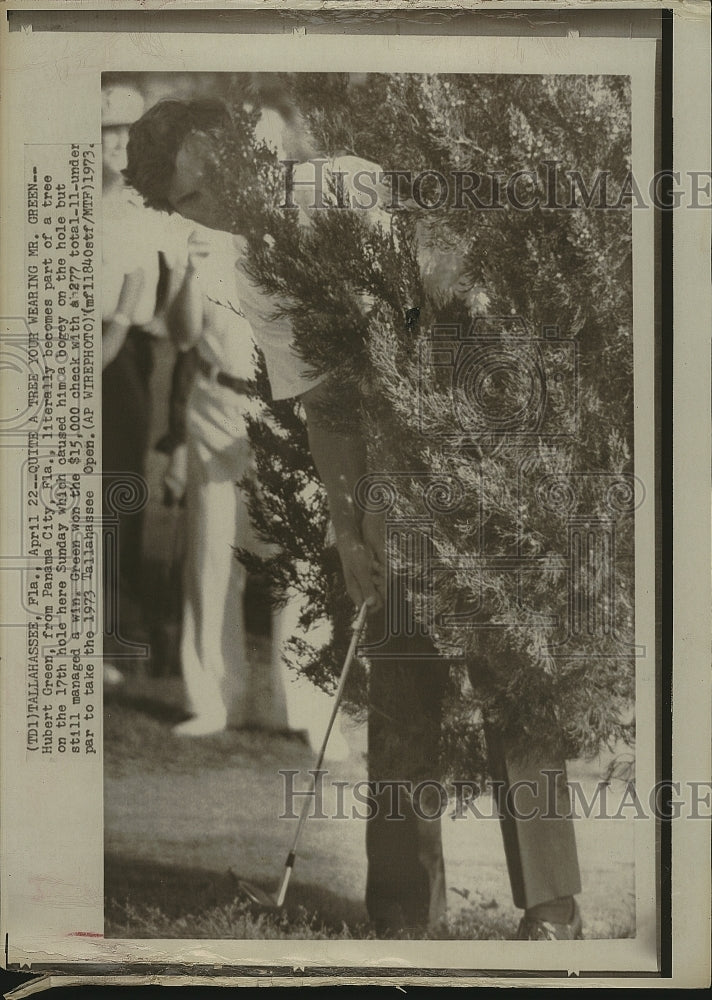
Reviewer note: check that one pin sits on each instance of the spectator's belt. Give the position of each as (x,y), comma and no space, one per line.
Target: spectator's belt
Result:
(213,374)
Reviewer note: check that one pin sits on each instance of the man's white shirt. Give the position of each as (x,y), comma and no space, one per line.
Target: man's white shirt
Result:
(239,314)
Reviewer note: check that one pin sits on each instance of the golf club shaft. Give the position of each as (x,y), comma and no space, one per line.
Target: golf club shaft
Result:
(358,628)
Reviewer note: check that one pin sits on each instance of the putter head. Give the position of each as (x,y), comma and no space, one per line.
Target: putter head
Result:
(257,896)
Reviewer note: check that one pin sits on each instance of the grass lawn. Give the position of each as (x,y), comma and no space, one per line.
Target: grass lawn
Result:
(185,819)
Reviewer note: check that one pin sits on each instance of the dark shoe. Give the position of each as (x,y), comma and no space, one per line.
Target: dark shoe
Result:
(388,931)
(393,923)
(531,929)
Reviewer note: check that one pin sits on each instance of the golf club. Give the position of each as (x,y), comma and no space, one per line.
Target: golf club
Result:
(253,892)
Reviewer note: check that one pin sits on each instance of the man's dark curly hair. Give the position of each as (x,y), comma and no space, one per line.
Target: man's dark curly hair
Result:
(154,141)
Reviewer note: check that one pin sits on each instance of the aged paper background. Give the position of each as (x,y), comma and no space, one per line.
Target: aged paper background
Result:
(52,847)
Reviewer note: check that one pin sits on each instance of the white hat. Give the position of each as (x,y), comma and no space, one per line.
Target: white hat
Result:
(120,105)
(270,129)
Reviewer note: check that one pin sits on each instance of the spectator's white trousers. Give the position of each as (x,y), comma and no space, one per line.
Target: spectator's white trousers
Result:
(221,685)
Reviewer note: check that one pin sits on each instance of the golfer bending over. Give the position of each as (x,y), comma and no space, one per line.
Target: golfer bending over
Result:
(406,875)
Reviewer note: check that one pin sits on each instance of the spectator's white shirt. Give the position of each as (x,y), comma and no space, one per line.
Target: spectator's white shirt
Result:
(132,236)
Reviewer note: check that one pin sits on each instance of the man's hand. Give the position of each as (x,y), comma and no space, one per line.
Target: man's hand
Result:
(360,575)
(114,329)
(157,327)
(186,313)
(198,250)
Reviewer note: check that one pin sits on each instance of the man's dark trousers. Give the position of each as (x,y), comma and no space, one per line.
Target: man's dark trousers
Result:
(126,420)
(406,873)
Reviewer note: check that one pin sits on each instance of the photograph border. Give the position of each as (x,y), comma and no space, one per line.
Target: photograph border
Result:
(673,357)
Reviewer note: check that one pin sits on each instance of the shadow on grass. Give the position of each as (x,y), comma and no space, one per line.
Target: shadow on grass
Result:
(138,739)
(146,899)
(150,900)
(155,708)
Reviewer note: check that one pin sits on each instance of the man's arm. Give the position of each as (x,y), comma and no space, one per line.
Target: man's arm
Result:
(114,329)
(340,460)
(186,313)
